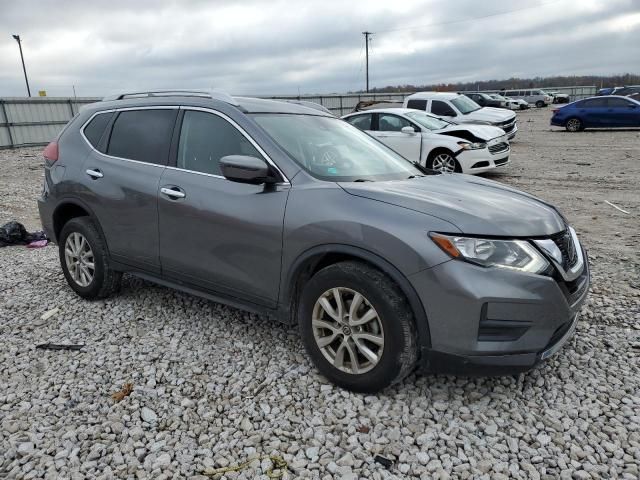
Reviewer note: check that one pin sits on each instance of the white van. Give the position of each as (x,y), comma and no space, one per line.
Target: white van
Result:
(459,108)
(533,96)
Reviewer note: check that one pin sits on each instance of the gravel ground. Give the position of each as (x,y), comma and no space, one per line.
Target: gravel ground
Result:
(214,386)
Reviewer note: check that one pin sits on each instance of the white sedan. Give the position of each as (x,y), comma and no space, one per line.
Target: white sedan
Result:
(433,142)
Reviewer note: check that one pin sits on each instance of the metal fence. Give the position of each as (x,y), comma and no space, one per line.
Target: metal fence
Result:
(35,121)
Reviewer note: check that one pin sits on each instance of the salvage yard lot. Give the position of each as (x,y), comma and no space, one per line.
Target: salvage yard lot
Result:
(214,386)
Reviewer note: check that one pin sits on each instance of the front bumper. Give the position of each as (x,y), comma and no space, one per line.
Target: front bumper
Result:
(495,321)
(479,161)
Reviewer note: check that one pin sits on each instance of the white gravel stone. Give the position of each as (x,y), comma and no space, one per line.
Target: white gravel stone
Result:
(148,415)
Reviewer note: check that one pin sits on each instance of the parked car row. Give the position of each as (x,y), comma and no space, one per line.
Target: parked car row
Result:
(434,142)
(446,132)
(624,91)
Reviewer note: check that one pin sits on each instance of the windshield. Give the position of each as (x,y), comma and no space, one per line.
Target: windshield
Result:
(331,149)
(428,121)
(465,104)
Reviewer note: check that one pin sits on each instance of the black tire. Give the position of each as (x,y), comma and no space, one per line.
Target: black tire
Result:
(105,281)
(441,151)
(540,104)
(400,351)
(574,124)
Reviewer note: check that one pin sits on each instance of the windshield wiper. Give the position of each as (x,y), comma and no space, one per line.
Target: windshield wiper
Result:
(415,176)
(362,180)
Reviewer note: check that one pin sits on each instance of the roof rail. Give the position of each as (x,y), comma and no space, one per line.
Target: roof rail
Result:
(214,94)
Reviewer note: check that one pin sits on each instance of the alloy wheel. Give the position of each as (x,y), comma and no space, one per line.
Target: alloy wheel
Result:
(348,330)
(444,162)
(573,125)
(79,259)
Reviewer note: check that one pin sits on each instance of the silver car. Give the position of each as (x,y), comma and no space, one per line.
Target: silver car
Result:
(289,212)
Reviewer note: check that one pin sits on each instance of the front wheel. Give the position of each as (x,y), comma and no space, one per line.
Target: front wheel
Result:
(574,125)
(443,161)
(539,104)
(357,327)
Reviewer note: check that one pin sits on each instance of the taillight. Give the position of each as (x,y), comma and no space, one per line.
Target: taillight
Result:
(51,152)
(555,110)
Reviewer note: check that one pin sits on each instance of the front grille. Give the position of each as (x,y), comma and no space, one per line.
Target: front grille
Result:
(564,241)
(499,148)
(501,161)
(507,125)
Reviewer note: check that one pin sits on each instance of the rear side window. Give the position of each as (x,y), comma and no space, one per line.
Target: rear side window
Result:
(417,104)
(143,135)
(594,103)
(363,122)
(205,138)
(95,128)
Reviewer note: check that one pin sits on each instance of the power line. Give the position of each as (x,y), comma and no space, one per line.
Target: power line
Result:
(496,14)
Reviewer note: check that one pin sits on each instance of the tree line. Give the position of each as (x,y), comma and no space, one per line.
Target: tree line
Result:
(518,83)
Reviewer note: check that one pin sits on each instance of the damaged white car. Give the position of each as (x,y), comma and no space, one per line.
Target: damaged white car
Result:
(436,143)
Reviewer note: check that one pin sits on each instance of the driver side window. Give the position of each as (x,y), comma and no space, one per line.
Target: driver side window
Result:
(205,138)
(391,123)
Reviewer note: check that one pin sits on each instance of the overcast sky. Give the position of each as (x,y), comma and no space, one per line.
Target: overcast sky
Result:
(310,46)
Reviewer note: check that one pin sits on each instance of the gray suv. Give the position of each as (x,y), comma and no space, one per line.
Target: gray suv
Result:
(286,211)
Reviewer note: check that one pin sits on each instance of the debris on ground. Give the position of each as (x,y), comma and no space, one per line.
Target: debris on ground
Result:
(14,233)
(49,313)
(278,467)
(59,346)
(385,462)
(38,244)
(616,207)
(127,388)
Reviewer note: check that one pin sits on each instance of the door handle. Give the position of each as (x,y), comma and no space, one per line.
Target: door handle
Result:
(172,192)
(95,174)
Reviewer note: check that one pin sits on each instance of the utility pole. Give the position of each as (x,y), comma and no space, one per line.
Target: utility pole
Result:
(24,69)
(366,43)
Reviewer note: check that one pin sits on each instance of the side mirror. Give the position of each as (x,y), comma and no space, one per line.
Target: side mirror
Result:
(409,130)
(246,169)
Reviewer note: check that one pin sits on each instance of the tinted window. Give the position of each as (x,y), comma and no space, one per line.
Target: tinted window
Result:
(512,93)
(617,102)
(143,135)
(205,138)
(363,122)
(94,130)
(391,123)
(440,108)
(417,104)
(594,103)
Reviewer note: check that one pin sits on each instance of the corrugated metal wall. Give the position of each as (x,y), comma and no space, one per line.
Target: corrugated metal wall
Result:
(36,121)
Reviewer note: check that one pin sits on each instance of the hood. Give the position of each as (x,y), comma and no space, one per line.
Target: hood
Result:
(486,114)
(481,132)
(475,205)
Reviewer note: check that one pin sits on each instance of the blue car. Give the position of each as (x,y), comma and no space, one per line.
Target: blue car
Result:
(609,111)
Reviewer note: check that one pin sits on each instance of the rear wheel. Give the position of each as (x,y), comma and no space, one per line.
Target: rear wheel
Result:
(357,327)
(443,161)
(574,125)
(85,261)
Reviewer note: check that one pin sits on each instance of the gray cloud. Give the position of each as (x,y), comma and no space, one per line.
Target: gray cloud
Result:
(314,46)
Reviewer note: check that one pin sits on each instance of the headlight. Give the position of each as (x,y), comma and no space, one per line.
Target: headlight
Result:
(472,146)
(512,254)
